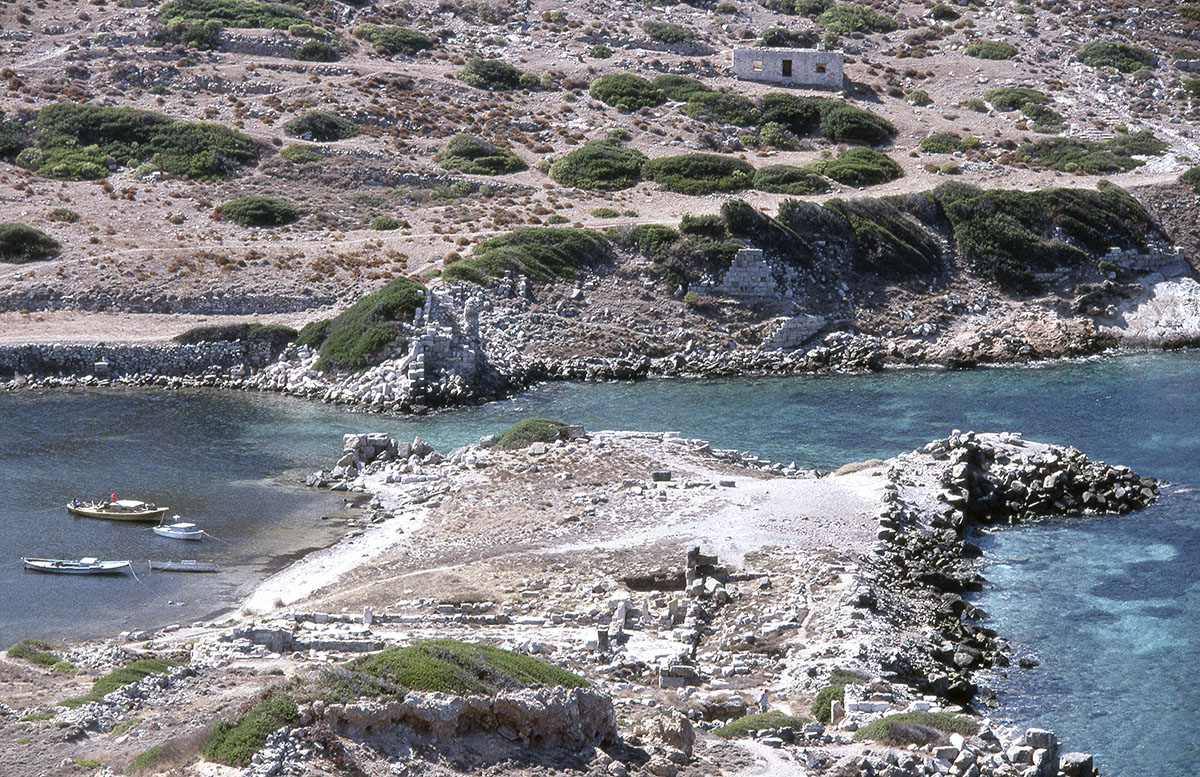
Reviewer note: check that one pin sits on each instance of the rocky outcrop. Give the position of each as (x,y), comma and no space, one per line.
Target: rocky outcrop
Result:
(531,718)
(1166,315)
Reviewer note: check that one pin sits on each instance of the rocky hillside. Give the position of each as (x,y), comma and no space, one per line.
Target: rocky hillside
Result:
(342,116)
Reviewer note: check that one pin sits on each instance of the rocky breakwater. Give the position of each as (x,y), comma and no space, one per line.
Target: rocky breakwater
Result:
(936,496)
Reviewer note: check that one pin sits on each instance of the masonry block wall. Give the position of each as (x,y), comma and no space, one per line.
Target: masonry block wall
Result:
(795,67)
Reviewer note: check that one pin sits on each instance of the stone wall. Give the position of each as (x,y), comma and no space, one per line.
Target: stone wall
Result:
(789,333)
(235,358)
(749,275)
(794,67)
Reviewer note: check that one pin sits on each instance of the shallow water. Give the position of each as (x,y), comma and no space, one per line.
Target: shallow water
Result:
(1107,605)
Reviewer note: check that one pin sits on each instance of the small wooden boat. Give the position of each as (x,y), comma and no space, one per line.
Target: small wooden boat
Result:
(183,565)
(179,531)
(118,510)
(84,566)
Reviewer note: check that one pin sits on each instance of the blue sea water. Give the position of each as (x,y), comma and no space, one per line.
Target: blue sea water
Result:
(1107,605)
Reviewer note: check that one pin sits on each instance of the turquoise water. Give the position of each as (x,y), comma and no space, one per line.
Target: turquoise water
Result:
(1107,605)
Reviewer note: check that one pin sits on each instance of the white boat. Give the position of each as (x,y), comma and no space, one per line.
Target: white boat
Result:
(179,530)
(118,510)
(83,566)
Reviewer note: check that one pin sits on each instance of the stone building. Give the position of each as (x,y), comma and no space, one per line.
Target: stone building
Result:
(794,67)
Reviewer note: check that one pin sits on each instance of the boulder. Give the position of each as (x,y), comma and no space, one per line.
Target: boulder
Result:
(1076,765)
(671,729)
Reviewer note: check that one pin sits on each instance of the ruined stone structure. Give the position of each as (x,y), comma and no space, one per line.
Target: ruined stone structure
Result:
(794,67)
(449,345)
(749,275)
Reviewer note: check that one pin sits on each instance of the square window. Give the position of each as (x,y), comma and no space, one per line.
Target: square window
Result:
(757,66)
(820,68)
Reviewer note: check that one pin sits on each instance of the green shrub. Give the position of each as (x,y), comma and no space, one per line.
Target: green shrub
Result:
(605,213)
(543,253)
(782,38)
(941,143)
(317,51)
(12,137)
(302,154)
(349,339)
(119,678)
(235,744)
(494,75)
(31,158)
(389,40)
(975,104)
(306,30)
(451,666)
(203,35)
(321,126)
(991,49)
(1191,85)
(707,225)
(1142,143)
(943,13)
(147,759)
(1191,177)
(723,107)
(889,241)
(626,91)
(699,173)
(1124,57)
(63,216)
(254,210)
(797,7)
(899,729)
(524,433)
(846,19)
(789,179)
(1009,235)
(859,167)
(821,706)
(385,223)
(841,121)
(1013,98)
(20,243)
(40,652)
(725,8)
(653,239)
(665,32)
(920,98)
(1043,118)
(1073,155)
(1191,11)
(679,88)
(601,165)
(801,115)
(950,168)
(599,51)
(75,140)
(233,13)
(478,157)
(775,719)
(276,335)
